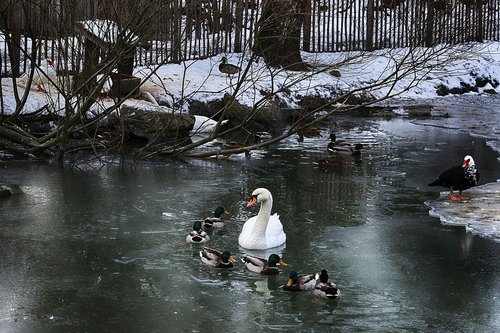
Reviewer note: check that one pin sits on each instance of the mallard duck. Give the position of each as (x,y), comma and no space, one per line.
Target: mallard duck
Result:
(263,231)
(197,235)
(300,282)
(458,178)
(217,258)
(342,147)
(325,288)
(216,221)
(263,266)
(308,132)
(228,69)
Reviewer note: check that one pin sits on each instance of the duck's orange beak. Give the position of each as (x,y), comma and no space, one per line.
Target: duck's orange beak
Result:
(252,201)
(289,282)
(282,263)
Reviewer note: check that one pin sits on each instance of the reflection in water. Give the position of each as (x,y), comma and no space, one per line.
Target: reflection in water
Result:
(104,250)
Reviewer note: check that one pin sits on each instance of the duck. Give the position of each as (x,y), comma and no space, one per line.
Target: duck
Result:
(263,231)
(263,266)
(325,288)
(308,132)
(300,282)
(342,147)
(215,221)
(458,178)
(216,258)
(226,68)
(197,235)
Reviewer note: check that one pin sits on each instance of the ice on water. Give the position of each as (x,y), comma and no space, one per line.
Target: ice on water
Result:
(480,215)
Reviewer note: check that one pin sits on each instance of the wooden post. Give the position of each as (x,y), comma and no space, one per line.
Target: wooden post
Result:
(370,17)
(239,26)
(15,40)
(429,29)
(176,32)
(306,26)
(479,24)
(90,62)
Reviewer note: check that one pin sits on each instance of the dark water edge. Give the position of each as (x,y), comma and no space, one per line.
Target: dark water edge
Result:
(102,250)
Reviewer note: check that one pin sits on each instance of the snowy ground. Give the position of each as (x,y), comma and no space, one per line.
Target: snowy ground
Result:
(201,80)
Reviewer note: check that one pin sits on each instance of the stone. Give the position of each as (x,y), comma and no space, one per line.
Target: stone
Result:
(9,190)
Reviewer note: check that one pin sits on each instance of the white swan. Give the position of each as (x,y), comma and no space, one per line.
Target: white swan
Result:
(263,231)
(204,124)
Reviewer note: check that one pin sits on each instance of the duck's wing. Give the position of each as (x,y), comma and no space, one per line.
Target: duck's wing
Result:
(307,281)
(255,264)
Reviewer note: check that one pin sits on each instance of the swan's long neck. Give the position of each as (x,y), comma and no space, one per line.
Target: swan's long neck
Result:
(263,217)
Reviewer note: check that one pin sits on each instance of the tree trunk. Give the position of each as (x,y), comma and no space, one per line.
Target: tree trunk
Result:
(277,38)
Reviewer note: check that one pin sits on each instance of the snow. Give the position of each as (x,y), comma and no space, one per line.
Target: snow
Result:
(176,84)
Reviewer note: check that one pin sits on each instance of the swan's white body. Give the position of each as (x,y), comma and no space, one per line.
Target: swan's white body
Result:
(263,231)
(43,76)
(204,124)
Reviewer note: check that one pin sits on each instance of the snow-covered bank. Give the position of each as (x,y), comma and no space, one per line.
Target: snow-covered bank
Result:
(480,215)
(476,66)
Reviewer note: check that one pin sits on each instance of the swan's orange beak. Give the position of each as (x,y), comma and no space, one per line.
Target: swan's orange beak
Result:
(252,201)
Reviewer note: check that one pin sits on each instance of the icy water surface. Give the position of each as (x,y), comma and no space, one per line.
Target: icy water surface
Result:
(104,250)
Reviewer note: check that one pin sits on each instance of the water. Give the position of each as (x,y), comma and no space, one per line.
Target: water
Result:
(104,250)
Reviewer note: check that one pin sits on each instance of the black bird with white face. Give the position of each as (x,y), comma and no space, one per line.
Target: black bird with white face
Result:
(459,178)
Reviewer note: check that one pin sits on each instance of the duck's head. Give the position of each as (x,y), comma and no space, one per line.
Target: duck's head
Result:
(358,146)
(468,161)
(219,211)
(293,279)
(259,195)
(333,137)
(275,259)
(323,277)
(197,226)
(226,257)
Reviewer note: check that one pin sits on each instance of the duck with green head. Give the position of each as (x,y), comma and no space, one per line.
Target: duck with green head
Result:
(300,282)
(197,235)
(216,258)
(263,266)
(215,221)
(342,147)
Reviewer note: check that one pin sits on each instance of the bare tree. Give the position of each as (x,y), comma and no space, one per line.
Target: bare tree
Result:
(77,117)
(277,38)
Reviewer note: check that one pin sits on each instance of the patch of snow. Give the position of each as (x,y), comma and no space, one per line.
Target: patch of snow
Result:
(480,215)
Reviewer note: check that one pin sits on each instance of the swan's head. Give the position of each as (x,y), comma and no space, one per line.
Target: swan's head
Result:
(259,195)
(468,161)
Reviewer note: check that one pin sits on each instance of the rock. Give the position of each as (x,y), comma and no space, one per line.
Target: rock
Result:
(9,190)
(335,73)
(153,123)
(268,118)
